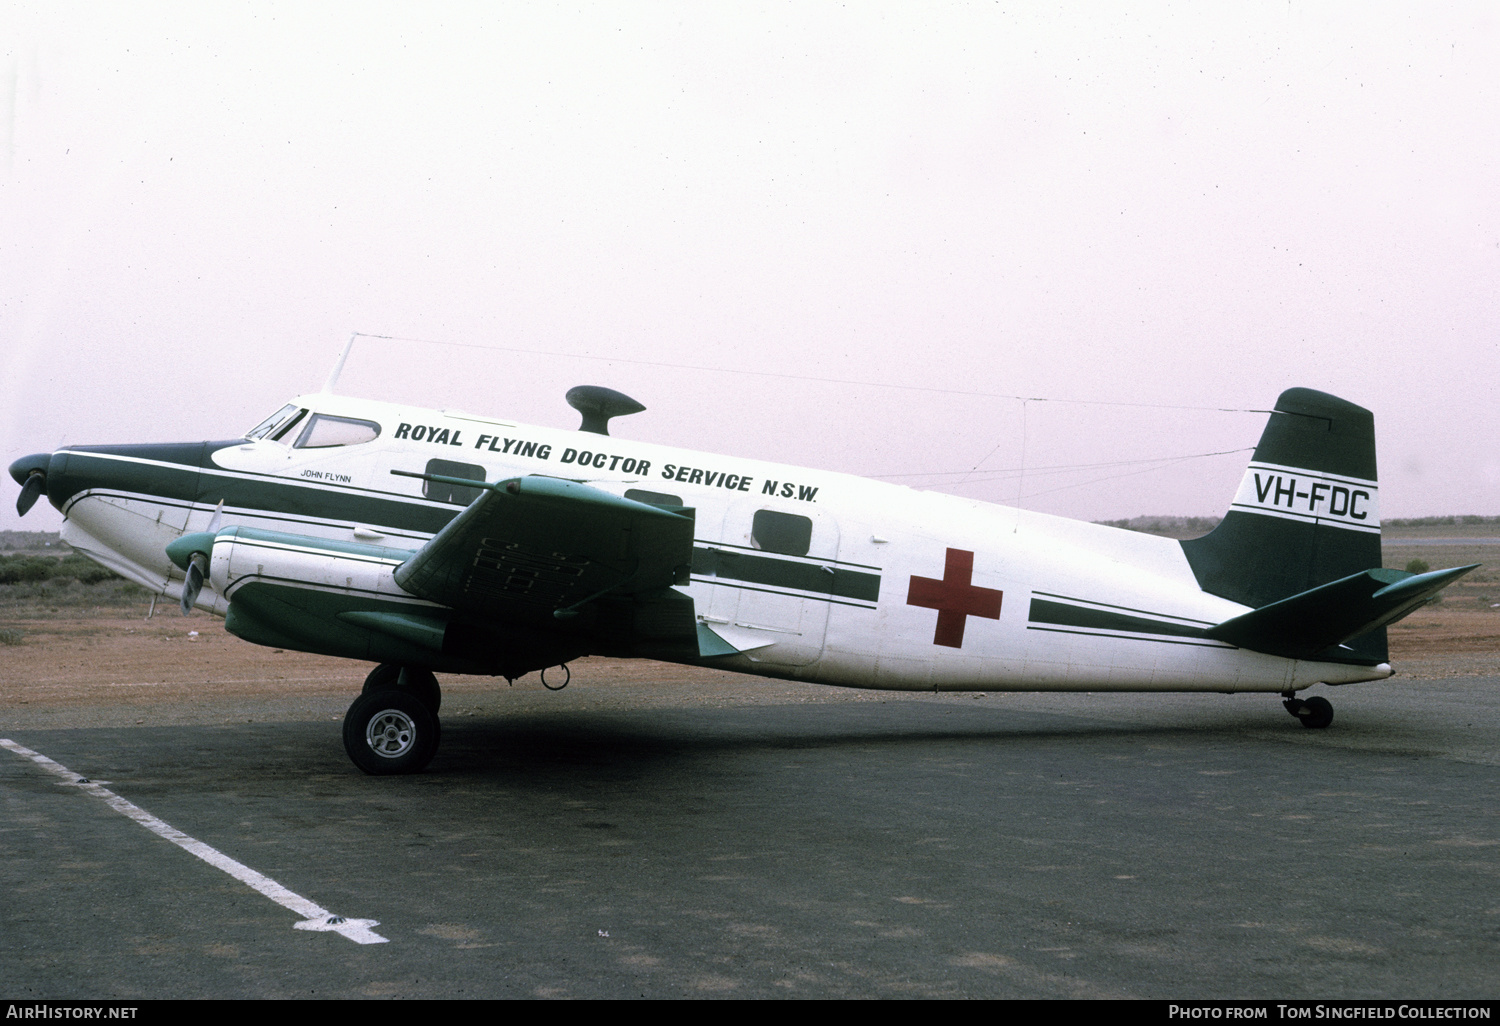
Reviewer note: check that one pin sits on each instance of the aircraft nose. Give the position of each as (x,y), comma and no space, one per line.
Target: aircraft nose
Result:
(30,473)
(22,468)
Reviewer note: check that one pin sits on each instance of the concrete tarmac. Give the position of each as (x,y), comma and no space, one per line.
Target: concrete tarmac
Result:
(925,846)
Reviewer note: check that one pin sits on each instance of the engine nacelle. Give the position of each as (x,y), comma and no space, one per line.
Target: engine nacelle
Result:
(341,599)
(244,556)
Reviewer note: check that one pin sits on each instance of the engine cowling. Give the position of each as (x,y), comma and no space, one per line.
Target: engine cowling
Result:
(341,599)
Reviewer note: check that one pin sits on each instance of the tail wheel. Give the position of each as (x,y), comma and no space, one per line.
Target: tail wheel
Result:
(1319,713)
(415,679)
(390,731)
(1315,713)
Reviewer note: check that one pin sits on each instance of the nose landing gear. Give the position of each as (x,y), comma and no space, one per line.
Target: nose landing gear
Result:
(1315,712)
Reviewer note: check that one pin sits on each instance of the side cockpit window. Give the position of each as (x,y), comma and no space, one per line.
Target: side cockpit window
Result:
(324,432)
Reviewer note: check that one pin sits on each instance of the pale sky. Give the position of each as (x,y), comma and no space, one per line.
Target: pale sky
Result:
(928,207)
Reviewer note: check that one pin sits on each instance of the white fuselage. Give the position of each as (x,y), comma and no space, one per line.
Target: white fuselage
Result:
(1080,606)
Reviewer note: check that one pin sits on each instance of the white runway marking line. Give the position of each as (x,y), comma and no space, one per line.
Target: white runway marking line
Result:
(314,916)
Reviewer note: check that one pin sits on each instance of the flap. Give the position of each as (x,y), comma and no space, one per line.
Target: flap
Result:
(721,639)
(543,550)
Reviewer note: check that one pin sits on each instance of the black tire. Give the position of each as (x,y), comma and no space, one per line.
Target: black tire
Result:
(1317,713)
(383,676)
(416,679)
(390,731)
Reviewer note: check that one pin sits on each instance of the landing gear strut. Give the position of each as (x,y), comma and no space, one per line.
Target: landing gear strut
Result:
(1315,712)
(415,679)
(392,727)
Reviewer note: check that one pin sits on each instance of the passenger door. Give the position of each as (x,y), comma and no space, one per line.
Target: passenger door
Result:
(773,574)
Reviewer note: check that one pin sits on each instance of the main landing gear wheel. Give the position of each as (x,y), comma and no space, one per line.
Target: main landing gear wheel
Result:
(390,730)
(1316,713)
(414,679)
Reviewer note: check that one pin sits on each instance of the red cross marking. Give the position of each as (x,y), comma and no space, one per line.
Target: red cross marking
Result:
(954,598)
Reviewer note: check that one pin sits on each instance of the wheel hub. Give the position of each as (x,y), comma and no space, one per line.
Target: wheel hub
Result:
(390,733)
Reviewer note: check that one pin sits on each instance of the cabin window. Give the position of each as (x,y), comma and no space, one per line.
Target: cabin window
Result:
(442,491)
(653,498)
(325,432)
(272,422)
(785,533)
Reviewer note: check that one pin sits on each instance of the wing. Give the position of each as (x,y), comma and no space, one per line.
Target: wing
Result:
(561,556)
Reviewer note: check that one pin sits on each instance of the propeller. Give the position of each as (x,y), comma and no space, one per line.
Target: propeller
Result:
(36,484)
(191,553)
(30,472)
(197,568)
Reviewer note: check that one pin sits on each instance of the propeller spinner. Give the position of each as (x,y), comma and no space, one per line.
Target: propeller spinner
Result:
(30,472)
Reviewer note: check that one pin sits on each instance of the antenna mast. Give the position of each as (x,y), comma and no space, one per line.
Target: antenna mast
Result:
(338,368)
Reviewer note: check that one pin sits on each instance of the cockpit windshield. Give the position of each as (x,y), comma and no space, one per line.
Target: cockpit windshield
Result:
(272,422)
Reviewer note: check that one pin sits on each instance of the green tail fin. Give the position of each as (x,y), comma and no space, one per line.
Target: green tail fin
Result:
(1307,512)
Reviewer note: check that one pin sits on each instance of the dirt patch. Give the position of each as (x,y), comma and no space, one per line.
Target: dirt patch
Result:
(117,671)
(98,670)
(1446,641)
(1438,631)
(84,660)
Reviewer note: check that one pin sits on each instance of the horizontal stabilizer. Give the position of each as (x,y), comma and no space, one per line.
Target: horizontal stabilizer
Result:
(1316,623)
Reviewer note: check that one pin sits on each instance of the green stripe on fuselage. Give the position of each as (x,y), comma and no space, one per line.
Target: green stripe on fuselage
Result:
(1064,615)
(100,472)
(818,578)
